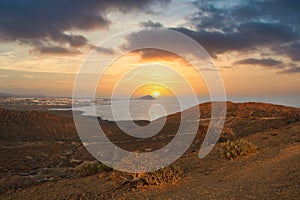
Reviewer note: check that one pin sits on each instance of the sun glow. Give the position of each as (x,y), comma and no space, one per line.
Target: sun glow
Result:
(159,77)
(155,94)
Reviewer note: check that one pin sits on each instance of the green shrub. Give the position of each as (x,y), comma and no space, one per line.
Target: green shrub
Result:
(234,149)
(104,168)
(89,168)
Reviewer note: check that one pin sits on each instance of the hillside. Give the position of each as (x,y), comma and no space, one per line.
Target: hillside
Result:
(39,151)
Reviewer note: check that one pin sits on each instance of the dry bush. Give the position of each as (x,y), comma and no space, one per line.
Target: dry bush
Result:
(169,174)
(234,149)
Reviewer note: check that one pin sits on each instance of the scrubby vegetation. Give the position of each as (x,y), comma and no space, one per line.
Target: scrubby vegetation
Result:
(227,134)
(169,174)
(147,177)
(89,168)
(234,149)
(104,168)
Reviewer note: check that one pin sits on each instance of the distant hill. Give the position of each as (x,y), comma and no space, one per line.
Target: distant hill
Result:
(146,97)
(249,118)
(22,95)
(243,118)
(6,95)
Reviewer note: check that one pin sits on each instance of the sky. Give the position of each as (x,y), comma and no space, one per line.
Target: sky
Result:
(255,45)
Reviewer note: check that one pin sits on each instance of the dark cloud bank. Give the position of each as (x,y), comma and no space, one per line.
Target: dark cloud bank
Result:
(249,25)
(220,26)
(45,24)
(245,26)
(266,62)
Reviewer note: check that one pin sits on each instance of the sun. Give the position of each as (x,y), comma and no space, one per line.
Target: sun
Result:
(155,94)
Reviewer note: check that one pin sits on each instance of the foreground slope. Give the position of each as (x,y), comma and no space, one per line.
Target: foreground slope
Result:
(272,172)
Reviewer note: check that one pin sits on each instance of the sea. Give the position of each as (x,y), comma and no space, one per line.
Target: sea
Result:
(124,110)
(138,109)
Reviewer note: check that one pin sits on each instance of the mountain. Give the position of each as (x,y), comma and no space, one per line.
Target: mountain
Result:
(6,95)
(146,97)
(22,95)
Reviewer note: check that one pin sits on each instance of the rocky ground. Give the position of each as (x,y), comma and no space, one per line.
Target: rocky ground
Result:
(39,151)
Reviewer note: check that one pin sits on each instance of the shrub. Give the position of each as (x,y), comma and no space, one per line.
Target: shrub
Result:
(227,134)
(234,149)
(89,168)
(104,168)
(169,174)
(161,176)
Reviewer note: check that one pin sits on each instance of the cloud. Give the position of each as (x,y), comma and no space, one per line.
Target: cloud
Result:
(54,50)
(292,50)
(292,70)
(269,62)
(150,53)
(242,26)
(50,23)
(167,44)
(237,26)
(104,50)
(247,36)
(150,23)
(286,68)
